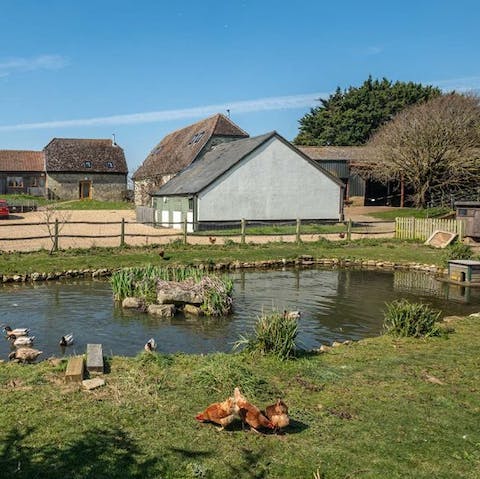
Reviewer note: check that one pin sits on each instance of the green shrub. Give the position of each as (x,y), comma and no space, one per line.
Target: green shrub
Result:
(416,320)
(457,250)
(274,333)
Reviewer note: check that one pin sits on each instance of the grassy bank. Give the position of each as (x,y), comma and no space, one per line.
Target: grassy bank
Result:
(368,410)
(411,213)
(379,249)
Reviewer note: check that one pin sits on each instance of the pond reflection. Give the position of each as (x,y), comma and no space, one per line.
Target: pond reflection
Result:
(335,305)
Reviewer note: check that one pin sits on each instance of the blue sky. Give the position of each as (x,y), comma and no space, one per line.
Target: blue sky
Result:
(141,69)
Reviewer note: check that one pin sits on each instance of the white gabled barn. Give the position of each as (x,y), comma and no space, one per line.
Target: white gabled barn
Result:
(264,178)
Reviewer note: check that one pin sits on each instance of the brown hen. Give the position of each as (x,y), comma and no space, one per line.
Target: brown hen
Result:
(278,415)
(222,413)
(250,414)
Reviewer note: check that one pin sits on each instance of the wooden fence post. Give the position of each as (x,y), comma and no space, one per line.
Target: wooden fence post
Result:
(185,231)
(122,233)
(298,230)
(55,240)
(349,229)
(243,231)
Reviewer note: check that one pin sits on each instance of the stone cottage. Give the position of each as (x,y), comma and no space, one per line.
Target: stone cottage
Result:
(178,150)
(85,169)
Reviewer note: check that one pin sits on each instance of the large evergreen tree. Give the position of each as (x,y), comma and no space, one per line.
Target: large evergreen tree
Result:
(351,116)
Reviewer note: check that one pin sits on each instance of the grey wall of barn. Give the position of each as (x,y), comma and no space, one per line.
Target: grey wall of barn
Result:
(272,183)
(105,187)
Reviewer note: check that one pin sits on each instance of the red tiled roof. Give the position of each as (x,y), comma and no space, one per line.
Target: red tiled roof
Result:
(181,147)
(22,160)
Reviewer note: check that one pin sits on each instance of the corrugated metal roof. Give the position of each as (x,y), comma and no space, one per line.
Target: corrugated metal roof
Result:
(22,160)
(337,152)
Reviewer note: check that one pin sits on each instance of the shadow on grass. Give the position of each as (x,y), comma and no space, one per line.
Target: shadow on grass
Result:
(253,465)
(98,454)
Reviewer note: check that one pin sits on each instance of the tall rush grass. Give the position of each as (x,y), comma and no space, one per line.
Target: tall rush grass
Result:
(275,333)
(405,319)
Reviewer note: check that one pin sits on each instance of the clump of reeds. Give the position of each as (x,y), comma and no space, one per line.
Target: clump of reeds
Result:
(416,320)
(274,333)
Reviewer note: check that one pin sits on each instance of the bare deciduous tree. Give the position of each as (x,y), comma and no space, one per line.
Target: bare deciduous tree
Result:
(50,215)
(434,147)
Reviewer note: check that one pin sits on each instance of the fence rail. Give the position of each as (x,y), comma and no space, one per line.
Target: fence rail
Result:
(422,228)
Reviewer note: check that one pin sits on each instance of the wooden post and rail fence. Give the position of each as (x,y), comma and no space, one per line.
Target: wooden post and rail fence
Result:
(404,228)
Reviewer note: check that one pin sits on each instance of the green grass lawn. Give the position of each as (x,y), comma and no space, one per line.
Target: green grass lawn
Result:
(366,410)
(277,230)
(25,199)
(410,212)
(375,249)
(70,205)
(94,205)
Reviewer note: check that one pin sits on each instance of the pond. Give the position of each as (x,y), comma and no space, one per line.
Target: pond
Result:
(335,305)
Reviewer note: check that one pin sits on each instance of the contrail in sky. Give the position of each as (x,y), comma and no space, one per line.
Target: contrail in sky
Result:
(236,107)
(248,106)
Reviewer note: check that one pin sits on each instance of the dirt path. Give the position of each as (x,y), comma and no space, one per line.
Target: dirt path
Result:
(18,226)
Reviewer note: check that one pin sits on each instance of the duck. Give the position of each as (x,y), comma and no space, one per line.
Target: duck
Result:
(24,355)
(15,332)
(21,341)
(291,314)
(66,340)
(150,345)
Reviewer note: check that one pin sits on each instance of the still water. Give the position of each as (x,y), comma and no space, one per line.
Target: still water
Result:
(335,305)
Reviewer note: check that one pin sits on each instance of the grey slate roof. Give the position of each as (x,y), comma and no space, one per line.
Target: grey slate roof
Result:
(202,172)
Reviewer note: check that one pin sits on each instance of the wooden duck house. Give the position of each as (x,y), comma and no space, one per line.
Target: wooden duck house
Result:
(465,271)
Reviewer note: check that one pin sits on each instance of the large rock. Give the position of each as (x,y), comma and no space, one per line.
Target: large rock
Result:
(192,310)
(162,310)
(133,303)
(179,293)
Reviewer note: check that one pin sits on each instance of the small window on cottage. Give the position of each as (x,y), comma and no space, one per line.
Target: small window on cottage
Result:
(466,212)
(88,164)
(15,181)
(109,164)
(190,203)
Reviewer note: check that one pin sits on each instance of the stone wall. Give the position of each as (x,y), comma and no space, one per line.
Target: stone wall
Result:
(104,187)
(143,188)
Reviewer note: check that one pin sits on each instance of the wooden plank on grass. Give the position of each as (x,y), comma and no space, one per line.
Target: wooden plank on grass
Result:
(74,372)
(94,358)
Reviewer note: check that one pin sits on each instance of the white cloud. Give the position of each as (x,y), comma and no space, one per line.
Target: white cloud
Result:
(462,84)
(41,62)
(238,107)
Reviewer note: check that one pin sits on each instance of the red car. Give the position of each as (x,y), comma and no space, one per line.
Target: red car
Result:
(4,211)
